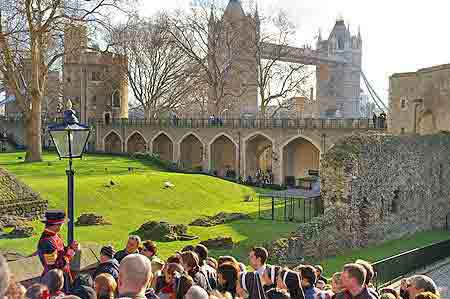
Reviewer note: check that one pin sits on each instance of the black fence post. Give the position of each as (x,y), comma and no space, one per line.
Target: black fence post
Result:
(273,208)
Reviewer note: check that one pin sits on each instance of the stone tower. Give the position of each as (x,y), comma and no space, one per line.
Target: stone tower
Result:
(235,38)
(95,82)
(338,86)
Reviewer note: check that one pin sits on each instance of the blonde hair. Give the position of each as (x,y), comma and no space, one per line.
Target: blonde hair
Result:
(105,286)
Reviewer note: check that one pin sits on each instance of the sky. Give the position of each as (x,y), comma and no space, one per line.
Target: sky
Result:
(398,35)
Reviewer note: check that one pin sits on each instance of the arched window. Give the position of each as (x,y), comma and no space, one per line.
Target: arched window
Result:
(116,98)
(340,43)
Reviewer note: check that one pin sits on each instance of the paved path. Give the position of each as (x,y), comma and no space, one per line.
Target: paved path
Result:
(441,277)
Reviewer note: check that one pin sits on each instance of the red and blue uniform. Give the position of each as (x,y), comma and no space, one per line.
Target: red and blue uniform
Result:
(53,254)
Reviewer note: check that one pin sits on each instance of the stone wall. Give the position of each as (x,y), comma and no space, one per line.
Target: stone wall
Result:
(17,199)
(375,188)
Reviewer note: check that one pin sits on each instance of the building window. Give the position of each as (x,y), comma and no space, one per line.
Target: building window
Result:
(402,130)
(340,43)
(68,79)
(107,118)
(116,98)
(94,101)
(403,104)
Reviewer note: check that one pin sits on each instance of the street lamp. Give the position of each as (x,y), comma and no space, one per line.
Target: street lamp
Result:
(70,140)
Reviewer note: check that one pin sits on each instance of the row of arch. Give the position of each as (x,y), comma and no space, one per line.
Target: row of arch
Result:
(296,156)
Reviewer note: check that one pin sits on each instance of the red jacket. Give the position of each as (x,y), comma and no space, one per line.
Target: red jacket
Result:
(52,252)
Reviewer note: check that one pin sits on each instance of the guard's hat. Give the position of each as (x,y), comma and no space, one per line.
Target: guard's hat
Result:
(54,217)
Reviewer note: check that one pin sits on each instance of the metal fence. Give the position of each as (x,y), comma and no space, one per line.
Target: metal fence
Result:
(289,208)
(393,268)
(246,123)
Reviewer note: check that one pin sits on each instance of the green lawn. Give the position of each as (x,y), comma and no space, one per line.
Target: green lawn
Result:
(139,196)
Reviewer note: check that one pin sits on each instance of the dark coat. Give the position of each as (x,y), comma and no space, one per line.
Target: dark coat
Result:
(110,267)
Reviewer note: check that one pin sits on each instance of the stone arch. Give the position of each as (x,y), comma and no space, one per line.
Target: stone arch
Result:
(191,151)
(298,154)
(162,145)
(223,153)
(112,142)
(135,143)
(258,153)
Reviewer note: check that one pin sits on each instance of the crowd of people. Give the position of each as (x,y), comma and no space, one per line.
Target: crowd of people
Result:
(136,272)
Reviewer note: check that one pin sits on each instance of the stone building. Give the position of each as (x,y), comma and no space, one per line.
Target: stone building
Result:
(419,102)
(94,81)
(338,86)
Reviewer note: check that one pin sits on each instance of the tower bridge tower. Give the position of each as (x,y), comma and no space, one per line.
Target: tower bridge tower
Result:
(338,85)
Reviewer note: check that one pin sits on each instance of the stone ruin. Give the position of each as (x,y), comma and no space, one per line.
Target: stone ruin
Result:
(17,199)
(89,219)
(219,243)
(375,188)
(164,231)
(219,218)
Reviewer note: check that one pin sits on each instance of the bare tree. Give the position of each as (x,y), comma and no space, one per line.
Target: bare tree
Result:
(32,44)
(158,71)
(278,81)
(213,43)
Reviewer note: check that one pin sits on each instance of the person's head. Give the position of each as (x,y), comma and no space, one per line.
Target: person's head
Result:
(4,276)
(427,295)
(83,280)
(149,249)
(391,291)
(133,243)
(353,277)
(226,259)
(135,272)
(36,291)
(278,294)
(196,292)
(171,271)
(320,284)
(105,286)
(174,259)
(212,262)
(369,270)
(290,281)
(336,284)
(54,219)
(387,296)
(257,257)
(420,283)
(189,260)
(54,280)
(188,248)
(319,270)
(202,253)
(308,276)
(227,277)
(15,290)
(269,277)
(106,253)
(157,265)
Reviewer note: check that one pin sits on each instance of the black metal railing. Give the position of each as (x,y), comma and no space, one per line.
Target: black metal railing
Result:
(291,209)
(393,268)
(245,123)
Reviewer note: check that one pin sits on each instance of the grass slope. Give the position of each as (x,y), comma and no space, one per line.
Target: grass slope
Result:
(138,197)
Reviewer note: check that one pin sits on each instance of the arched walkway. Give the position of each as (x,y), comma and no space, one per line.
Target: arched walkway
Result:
(191,153)
(223,156)
(136,143)
(162,145)
(258,155)
(112,143)
(426,123)
(298,156)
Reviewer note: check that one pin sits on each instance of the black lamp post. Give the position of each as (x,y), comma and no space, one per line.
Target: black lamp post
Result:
(70,140)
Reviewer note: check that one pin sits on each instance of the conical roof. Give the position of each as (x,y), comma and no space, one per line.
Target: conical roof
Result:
(234,9)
